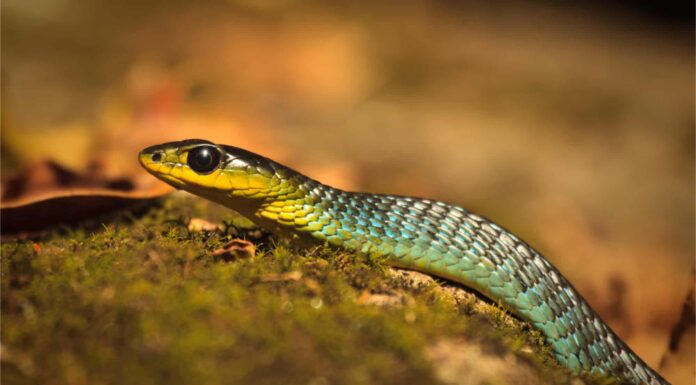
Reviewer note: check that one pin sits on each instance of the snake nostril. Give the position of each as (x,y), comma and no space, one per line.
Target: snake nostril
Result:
(156,157)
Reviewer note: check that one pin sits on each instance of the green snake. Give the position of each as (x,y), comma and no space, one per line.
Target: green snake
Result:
(418,234)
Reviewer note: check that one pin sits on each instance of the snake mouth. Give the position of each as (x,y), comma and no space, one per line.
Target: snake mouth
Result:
(171,180)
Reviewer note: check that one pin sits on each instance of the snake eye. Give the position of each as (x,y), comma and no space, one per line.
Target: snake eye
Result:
(156,157)
(204,159)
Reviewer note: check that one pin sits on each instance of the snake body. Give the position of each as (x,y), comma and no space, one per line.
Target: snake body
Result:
(419,234)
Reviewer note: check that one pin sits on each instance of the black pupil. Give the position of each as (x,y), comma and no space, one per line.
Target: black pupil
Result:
(203,159)
(156,157)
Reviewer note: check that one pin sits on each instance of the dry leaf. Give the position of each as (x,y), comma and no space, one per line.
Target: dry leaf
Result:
(312,285)
(236,249)
(289,276)
(366,298)
(45,194)
(198,225)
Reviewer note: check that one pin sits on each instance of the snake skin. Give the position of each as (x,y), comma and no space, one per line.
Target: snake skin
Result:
(424,235)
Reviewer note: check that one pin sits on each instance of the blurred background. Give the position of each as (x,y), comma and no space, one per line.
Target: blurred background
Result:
(572,125)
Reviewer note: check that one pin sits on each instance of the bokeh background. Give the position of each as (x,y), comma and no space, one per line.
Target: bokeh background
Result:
(572,125)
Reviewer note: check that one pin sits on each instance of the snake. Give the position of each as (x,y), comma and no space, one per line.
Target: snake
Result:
(423,235)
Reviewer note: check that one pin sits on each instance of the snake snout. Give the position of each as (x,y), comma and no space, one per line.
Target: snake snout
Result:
(148,159)
(152,156)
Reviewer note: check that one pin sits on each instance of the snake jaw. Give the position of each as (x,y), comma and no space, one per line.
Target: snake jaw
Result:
(174,182)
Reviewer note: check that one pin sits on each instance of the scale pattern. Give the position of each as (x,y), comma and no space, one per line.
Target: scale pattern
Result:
(450,242)
(420,234)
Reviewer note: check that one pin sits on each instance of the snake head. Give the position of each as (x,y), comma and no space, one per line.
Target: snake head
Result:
(184,164)
(215,171)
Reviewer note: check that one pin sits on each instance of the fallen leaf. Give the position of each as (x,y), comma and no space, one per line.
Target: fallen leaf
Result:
(288,276)
(312,285)
(197,225)
(46,194)
(108,293)
(364,295)
(235,249)
(366,298)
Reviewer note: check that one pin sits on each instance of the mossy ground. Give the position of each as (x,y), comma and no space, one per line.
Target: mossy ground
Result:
(141,300)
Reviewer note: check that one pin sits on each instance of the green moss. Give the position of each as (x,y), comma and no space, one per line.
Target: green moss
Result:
(141,300)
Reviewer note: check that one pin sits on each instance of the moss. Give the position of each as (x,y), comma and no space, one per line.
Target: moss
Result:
(140,300)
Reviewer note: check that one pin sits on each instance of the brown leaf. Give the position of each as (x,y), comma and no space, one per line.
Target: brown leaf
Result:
(236,249)
(288,276)
(198,225)
(45,194)
(312,285)
(367,298)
